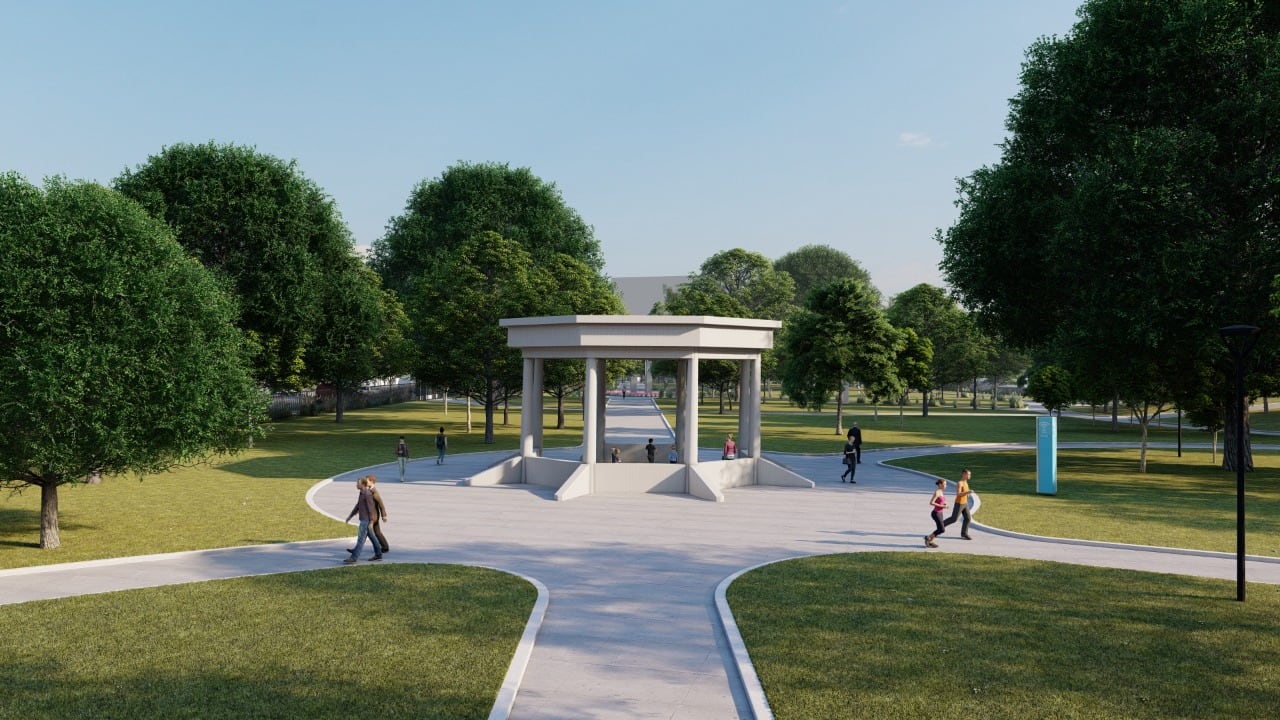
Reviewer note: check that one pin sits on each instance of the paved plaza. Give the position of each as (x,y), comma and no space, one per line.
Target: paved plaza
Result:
(631,628)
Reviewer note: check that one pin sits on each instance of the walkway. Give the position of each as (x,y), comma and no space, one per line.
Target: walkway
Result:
(631,630)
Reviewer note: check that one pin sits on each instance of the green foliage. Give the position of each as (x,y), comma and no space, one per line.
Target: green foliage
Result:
(1051,386)
(118,352)
(256,221)
(469,199)
(812,266)
(1133,211)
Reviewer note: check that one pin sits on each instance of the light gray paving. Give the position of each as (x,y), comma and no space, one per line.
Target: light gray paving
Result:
(631,630)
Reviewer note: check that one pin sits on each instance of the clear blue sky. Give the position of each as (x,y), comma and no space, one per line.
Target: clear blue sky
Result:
(676,129)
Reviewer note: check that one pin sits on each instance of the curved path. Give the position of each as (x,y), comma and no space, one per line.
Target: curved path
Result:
(631,629)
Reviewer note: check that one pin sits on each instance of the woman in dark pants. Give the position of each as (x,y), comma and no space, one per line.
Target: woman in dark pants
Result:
(939,504)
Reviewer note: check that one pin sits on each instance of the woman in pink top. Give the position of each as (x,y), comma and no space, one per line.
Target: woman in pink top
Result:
(730,448)
(939,504)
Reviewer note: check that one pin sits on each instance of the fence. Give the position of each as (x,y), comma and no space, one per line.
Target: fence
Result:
(311,402)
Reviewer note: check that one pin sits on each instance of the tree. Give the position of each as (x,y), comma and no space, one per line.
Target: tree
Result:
(934,316)
(1133,210)
(732,283)
(472,198)
(257,221)
(1051,386)
(118,353)
(812,266)
(361,334)
(841,336)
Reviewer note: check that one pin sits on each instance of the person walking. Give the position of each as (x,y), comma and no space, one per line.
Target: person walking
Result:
(855,434)
(850,462)
(365,510)
(379,515)
(961,506)
(939,504)
(730,448)
(650,450)
(402,456)
(442,444)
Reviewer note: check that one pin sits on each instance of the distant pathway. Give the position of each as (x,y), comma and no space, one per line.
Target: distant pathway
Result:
(631,630)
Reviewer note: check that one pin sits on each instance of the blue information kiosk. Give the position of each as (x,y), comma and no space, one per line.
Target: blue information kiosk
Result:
(1047,455)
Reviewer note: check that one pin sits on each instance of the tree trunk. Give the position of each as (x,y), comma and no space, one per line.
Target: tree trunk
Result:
(1115,414)
(840,412)
(339,402)
(489,404)
(560,411)
(50,537)
(506,406)
(924,403)
(974,402)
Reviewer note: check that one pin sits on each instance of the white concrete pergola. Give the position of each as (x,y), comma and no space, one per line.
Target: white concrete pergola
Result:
(596,338)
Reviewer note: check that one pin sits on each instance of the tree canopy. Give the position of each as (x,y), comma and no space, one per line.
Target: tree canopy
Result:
(469,199)
(118,352)
(812,266)
(1133,211)
(256,220)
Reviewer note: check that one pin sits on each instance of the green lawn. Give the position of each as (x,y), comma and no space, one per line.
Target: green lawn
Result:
(910,635)
(378,641)
(1183,502)
(255,497)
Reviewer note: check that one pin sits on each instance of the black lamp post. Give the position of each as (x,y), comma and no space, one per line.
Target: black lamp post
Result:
(1239,340)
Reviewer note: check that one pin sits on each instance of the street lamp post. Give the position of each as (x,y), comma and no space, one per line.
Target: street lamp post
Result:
(1239,340)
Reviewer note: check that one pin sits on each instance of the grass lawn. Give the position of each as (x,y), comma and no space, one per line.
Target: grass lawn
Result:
(910,635)
(252,498)
(1180,502)
(382,641)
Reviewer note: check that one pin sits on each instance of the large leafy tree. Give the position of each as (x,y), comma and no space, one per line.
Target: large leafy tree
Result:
(1133,211)
(840,336)
(118,352)
(256,220)
(472,198)
(732,283)
(935,316)
(361,334)
(812,266)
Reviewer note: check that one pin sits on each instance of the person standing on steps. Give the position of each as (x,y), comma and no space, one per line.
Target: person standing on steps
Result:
(850,460)
(402,455)
(939,504)
(961,505)
(650,450)
(855,434)
(442,444)
(365,510)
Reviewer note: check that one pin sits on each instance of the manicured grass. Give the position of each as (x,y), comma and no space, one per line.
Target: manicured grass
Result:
(910,635)
(789,429)
(1183,502)
(388,641)
(252,498)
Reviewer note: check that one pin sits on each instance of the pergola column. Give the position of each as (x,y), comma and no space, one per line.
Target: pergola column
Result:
(749,408)
(530,412)
(689,417)
(537,401)
(602,401)
(590,418)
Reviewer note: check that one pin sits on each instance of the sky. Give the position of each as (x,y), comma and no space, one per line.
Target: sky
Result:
(675,129)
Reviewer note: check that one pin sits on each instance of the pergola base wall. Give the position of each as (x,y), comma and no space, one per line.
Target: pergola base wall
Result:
(507,472)
(771,473)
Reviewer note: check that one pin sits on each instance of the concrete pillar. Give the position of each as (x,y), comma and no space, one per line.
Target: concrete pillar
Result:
(689,420)
(529,389)
(538,397)
(589,401)
(602,400)
(756,396)
(746,447)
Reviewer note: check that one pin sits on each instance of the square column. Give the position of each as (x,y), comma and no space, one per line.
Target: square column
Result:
(538,407)
(602,400)
(589,416)
(529,390)
(689,418)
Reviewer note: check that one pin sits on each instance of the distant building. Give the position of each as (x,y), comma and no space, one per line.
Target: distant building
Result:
(640,293)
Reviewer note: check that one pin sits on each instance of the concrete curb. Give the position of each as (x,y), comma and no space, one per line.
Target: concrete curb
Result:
(506,699)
